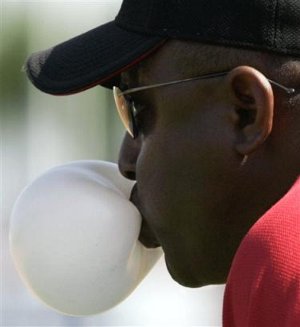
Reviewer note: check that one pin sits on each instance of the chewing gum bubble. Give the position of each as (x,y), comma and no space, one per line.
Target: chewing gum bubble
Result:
(74,238)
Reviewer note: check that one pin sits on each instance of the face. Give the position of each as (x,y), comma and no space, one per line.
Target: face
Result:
(185,168)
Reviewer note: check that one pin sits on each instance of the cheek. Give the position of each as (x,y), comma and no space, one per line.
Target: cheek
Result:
(155,181)
(182,170)
(160,185)
(184,174)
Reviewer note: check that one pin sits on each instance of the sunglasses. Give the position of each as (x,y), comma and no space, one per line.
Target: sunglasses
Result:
(127,110)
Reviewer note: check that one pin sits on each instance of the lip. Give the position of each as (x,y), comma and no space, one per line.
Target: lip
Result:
(147,236)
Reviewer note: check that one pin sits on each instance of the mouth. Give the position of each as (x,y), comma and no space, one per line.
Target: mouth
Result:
(147,236)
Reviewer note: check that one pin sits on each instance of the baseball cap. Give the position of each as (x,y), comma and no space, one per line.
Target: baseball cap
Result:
(143,26)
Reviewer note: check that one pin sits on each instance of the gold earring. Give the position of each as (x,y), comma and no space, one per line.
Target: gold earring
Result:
(245,159)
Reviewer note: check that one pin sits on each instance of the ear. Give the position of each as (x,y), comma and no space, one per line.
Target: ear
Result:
(253,105)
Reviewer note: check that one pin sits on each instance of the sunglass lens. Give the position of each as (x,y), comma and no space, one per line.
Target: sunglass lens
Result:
(123,110)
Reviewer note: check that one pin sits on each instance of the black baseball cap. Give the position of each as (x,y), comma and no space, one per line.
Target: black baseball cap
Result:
(142,26)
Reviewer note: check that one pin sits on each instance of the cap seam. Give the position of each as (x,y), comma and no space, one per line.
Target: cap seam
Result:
(136,28)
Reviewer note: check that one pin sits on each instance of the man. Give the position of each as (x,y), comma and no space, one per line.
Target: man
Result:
(208,93)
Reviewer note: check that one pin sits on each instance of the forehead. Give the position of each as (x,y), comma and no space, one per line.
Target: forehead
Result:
(176,59)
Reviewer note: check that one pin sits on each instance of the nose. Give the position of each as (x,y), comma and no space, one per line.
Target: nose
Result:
(128,156)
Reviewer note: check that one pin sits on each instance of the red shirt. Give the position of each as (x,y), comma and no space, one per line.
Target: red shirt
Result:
(263,286)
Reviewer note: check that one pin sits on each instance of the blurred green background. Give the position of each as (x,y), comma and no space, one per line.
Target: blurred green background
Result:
(40,130)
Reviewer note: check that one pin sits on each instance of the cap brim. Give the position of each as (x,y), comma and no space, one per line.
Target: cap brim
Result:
(95,57)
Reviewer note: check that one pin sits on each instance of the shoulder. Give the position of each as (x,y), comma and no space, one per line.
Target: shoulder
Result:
(264,280)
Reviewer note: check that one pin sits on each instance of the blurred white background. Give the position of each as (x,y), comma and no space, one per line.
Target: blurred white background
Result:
(39,131)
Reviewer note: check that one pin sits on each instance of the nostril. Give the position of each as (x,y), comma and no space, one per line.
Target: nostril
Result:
(127,168)
(130,175)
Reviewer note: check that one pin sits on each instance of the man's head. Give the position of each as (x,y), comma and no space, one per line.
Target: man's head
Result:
(197,193)
(198,201)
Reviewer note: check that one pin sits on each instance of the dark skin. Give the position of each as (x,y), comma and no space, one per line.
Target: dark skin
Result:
(196,198)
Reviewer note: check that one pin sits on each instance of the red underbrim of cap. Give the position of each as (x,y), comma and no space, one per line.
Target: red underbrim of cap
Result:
(95,57)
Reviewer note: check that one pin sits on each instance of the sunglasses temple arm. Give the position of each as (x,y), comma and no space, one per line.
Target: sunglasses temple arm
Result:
(288,90)
(142,88)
